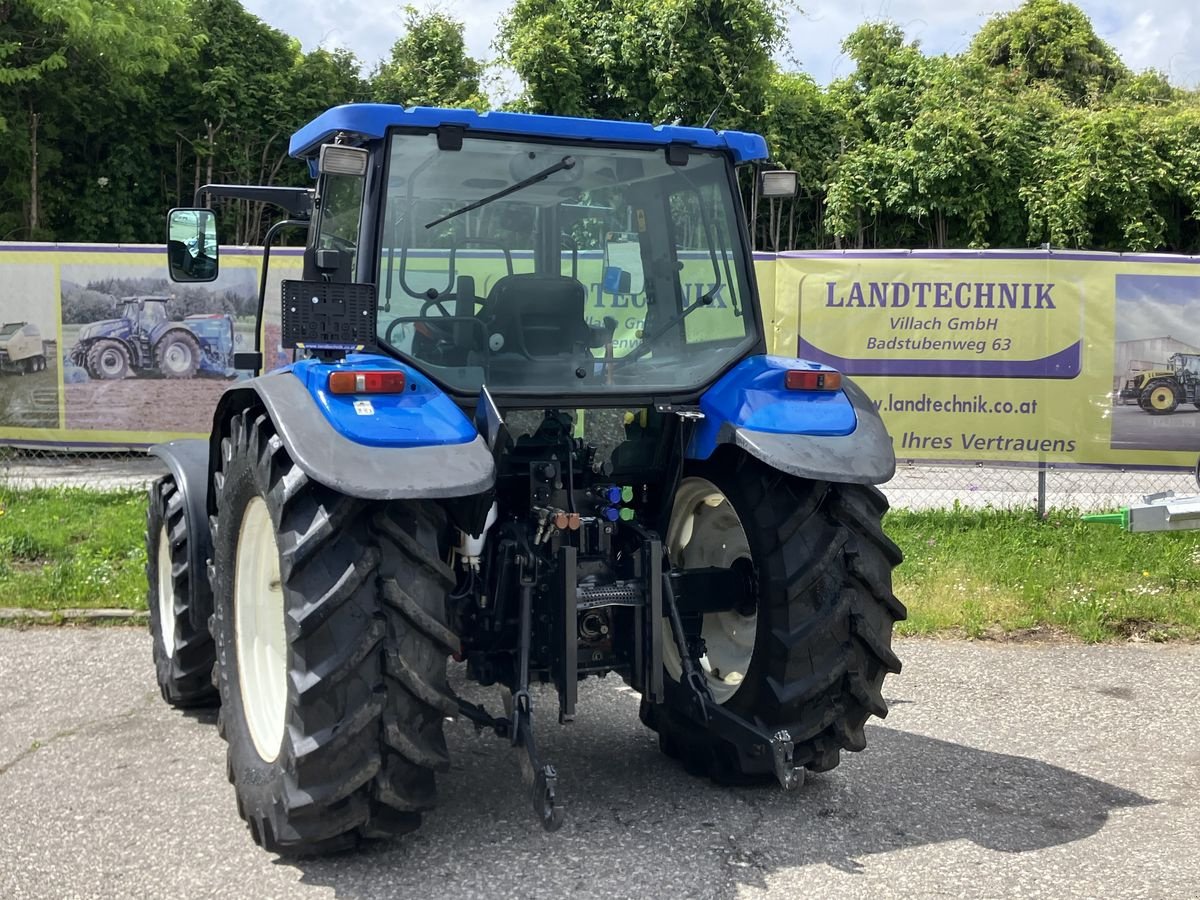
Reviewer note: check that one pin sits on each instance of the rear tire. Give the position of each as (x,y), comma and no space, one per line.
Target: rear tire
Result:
(1159,399)
(180,603)
(365,693)
(178,355)
(822,571)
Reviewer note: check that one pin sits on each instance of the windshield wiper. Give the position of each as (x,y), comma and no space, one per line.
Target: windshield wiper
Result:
(647,343)
(567,162)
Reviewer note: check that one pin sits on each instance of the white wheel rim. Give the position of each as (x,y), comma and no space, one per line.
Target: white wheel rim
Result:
(178,357)
(259,632)
(705,531)
(110,362)
(166,594)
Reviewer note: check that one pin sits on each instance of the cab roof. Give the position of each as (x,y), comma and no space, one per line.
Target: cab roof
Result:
(372,120)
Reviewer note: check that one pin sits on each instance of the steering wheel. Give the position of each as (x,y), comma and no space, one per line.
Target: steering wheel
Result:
(436,332)
(387,335)
(432,302)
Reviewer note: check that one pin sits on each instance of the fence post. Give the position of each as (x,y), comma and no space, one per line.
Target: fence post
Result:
(1041,501)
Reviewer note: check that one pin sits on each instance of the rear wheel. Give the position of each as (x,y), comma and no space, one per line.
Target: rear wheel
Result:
(179,601)
(178,355)
(332,650)
(1159,399)
(108,359)
(810,652)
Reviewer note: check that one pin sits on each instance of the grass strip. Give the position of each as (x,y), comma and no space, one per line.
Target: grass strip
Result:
(71,548)
(1005,573)
(982,573)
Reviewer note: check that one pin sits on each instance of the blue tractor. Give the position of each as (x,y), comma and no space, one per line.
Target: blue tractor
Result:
(531,424)
(143,340)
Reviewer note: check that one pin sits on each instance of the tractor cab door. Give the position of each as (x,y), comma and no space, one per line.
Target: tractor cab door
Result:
(153,320)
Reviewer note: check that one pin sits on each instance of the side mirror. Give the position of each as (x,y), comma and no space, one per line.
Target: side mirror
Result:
(779,183)
(192,250)
(622,272)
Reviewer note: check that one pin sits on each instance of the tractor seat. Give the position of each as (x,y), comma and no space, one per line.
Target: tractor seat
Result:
(538,316)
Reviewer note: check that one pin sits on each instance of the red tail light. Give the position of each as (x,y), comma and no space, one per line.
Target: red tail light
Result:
(812,380)
(371,382)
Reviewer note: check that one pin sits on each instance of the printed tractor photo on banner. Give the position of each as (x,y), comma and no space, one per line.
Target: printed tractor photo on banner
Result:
(142,354)
(1156,365)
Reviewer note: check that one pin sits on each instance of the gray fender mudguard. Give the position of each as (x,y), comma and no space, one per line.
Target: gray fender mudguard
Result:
(187,461)
(356,470)
(865,456)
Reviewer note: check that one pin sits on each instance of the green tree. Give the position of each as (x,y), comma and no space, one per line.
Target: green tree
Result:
(879,102)
(1051,40)
(660,61)
(238,105)
(804,130)
(429,65)
(44,46)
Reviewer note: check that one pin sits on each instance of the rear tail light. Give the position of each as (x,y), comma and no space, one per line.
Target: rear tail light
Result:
(373,382)
(812,380)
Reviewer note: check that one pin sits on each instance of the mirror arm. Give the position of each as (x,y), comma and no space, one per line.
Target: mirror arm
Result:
(272,232)
(296,202)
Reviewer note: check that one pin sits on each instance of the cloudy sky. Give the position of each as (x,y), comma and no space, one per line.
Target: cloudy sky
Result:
(1163,34)
(1150,306)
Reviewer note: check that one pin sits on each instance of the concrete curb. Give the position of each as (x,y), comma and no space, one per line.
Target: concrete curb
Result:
(51,617)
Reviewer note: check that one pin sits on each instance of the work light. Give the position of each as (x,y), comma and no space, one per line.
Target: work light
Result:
(339,160)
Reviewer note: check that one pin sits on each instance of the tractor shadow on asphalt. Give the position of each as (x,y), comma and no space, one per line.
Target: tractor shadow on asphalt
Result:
(637,824)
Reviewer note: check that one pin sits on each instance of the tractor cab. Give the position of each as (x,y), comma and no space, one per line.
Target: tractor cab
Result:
(543,257)
(1186,365)
(146,313)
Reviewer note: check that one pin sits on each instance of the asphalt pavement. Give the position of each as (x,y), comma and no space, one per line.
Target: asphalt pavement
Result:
(1003,770)
(1135,429)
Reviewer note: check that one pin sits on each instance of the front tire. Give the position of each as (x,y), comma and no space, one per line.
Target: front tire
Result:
(821,570)
(108,360)
(333,704)
(180,603)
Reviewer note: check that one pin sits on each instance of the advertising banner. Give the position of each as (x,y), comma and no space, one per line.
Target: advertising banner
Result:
(130,357)
(1019,357)
(1022,357)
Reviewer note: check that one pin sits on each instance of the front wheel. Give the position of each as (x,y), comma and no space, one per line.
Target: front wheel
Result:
(809,651)
(108,359)
(331,650)
(179,602)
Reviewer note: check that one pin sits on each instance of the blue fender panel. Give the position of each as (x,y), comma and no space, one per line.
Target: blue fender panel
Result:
(401,468)
(187,461)
(823,435)
(421,416)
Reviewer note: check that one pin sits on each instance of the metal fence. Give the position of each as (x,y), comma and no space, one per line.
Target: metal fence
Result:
(915,486)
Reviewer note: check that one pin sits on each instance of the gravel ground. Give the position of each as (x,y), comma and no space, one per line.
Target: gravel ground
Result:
(1004,770)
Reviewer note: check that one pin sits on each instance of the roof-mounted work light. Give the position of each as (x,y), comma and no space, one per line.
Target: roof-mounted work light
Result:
(337,159)
(779,183)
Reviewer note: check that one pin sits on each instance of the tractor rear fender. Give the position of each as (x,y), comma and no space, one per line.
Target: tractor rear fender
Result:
(352,468)
(175,328)
(187,461)
(823,435)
